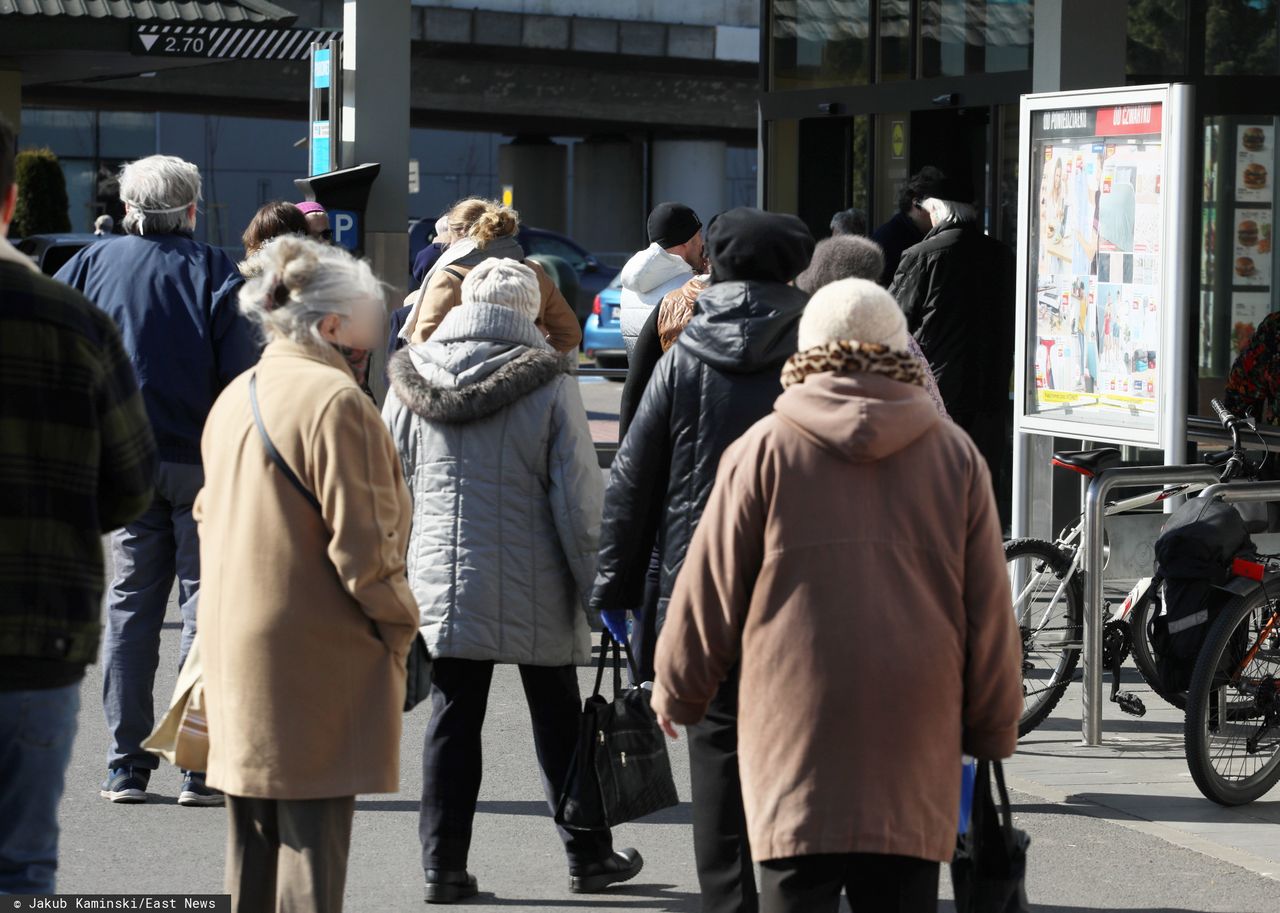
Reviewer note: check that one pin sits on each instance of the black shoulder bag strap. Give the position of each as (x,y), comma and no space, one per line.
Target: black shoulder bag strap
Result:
(271,448)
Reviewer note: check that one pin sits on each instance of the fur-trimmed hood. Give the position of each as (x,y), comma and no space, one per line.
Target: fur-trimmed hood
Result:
(483,358)
(459,403)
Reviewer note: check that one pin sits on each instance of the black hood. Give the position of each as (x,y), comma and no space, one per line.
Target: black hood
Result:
(746,243)
(743,327)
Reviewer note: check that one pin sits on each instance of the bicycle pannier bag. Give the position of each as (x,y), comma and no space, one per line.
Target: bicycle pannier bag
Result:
(620,770)
(1193,556)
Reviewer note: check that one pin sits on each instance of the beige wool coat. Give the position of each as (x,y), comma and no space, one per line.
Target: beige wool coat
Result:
(305,620)
(850,559)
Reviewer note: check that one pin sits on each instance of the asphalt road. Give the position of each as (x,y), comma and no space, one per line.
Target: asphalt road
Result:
(1078,862)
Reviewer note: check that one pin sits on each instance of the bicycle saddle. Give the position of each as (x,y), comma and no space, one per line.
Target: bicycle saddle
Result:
(1087,462)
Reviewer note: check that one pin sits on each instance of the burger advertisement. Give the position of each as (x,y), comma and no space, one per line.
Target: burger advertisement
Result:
(1252,264)
(1254,159)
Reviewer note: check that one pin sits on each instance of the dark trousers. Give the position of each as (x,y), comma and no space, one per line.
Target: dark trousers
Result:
(148,554)
(720,845)
(452,764)
(987,429)
(873,883)
(288,855)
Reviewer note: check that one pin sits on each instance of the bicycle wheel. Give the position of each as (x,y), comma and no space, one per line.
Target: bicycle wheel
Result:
(1144,655)
(1232,730)
(1048,607)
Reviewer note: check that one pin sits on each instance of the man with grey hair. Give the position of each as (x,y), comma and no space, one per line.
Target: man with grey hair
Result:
(957,290)
(104,225)
(173,298)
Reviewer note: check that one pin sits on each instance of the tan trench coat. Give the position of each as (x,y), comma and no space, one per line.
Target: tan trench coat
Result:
(304,622)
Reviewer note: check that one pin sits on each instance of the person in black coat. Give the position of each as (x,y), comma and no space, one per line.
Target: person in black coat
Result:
(957,290)
(909,224)
(721,376)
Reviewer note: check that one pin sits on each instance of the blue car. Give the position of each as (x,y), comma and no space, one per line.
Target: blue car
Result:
(602,335)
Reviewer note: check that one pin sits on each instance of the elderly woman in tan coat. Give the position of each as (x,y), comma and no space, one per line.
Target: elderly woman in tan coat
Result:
(848,532)
(306,618)
(484,230)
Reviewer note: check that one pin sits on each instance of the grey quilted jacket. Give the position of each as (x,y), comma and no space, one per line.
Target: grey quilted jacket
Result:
(507,491)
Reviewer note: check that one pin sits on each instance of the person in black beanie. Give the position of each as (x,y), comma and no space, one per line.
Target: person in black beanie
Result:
(720,377)
(675,254)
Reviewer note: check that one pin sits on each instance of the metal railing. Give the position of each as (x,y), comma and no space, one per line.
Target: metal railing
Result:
(1095,505)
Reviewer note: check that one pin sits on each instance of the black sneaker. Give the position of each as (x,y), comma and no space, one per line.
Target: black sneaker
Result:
(450,887)
(195,794)
(126,785)
(622,866)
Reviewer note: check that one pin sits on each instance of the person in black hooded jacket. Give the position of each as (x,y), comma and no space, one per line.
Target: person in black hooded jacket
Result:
(721,376)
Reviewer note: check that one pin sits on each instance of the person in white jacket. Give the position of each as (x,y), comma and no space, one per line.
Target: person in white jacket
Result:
(675,254)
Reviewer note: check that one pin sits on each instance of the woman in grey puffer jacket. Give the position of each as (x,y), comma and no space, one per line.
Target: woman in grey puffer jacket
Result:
(507,497)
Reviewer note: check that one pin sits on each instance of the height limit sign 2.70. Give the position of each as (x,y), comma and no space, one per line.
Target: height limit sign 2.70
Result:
(226,42)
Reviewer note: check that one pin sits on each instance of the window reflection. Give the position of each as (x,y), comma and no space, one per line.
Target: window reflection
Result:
(959,37)
(820,43)
(1240,37)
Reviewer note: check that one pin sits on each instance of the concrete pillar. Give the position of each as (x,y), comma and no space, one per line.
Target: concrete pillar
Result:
(11,97)
(608,195)
(375,125)
(1071,51)
(690,172)
(537,170)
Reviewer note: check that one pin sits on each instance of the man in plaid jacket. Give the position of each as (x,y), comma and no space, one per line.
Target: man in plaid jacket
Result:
(77,459)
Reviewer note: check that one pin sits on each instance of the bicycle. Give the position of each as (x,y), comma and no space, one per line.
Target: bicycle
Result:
(1232,729)
(1046,582)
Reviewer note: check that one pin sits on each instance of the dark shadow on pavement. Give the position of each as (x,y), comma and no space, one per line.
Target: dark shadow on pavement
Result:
(624,897)
(680,814)
(1142,726)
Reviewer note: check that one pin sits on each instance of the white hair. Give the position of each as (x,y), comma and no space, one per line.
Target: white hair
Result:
(104,223)
(293,283)
(159,191)
(944,211)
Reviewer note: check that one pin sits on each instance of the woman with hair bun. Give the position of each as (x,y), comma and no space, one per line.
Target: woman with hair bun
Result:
(482,230)
(306,617)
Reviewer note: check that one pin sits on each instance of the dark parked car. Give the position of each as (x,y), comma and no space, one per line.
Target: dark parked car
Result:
(52,251)
(593,276)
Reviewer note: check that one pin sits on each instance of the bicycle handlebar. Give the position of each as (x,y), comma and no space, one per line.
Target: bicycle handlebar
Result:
(1237,462)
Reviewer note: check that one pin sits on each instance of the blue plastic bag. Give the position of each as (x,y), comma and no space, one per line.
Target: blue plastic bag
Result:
(968,773)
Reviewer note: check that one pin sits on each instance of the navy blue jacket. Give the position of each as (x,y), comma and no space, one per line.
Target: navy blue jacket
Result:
(894,237)
(174,300)
(426,259)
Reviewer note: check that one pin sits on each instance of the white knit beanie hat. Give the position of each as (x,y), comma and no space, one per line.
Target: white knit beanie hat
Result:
(505,282)
(856,310)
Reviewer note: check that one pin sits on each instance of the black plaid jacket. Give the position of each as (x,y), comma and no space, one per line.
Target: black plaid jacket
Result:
(77,459)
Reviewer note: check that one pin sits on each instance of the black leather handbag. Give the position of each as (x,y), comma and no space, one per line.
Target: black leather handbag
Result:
(418,681)
(990,866)
(620,770)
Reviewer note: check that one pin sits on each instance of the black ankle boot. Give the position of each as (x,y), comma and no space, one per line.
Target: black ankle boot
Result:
(450,887)
(620,866)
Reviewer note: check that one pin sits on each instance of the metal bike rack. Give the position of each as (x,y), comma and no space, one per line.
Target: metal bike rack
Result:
(1240,492)
(1095,504)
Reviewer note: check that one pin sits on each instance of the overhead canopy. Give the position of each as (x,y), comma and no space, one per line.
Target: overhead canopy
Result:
(187,12)
(54,42)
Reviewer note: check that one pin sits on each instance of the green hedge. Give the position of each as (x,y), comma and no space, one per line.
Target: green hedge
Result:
(42,195)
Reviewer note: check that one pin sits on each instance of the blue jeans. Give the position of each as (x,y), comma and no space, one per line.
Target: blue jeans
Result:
(36,732)
(148,554)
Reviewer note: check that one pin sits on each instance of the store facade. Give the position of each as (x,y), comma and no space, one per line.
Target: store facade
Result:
(859,94)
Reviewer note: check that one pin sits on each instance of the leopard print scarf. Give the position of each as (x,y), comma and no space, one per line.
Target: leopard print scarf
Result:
(844,356)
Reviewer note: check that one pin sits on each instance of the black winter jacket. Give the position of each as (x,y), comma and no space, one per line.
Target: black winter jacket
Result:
(720,378)
(957,289)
